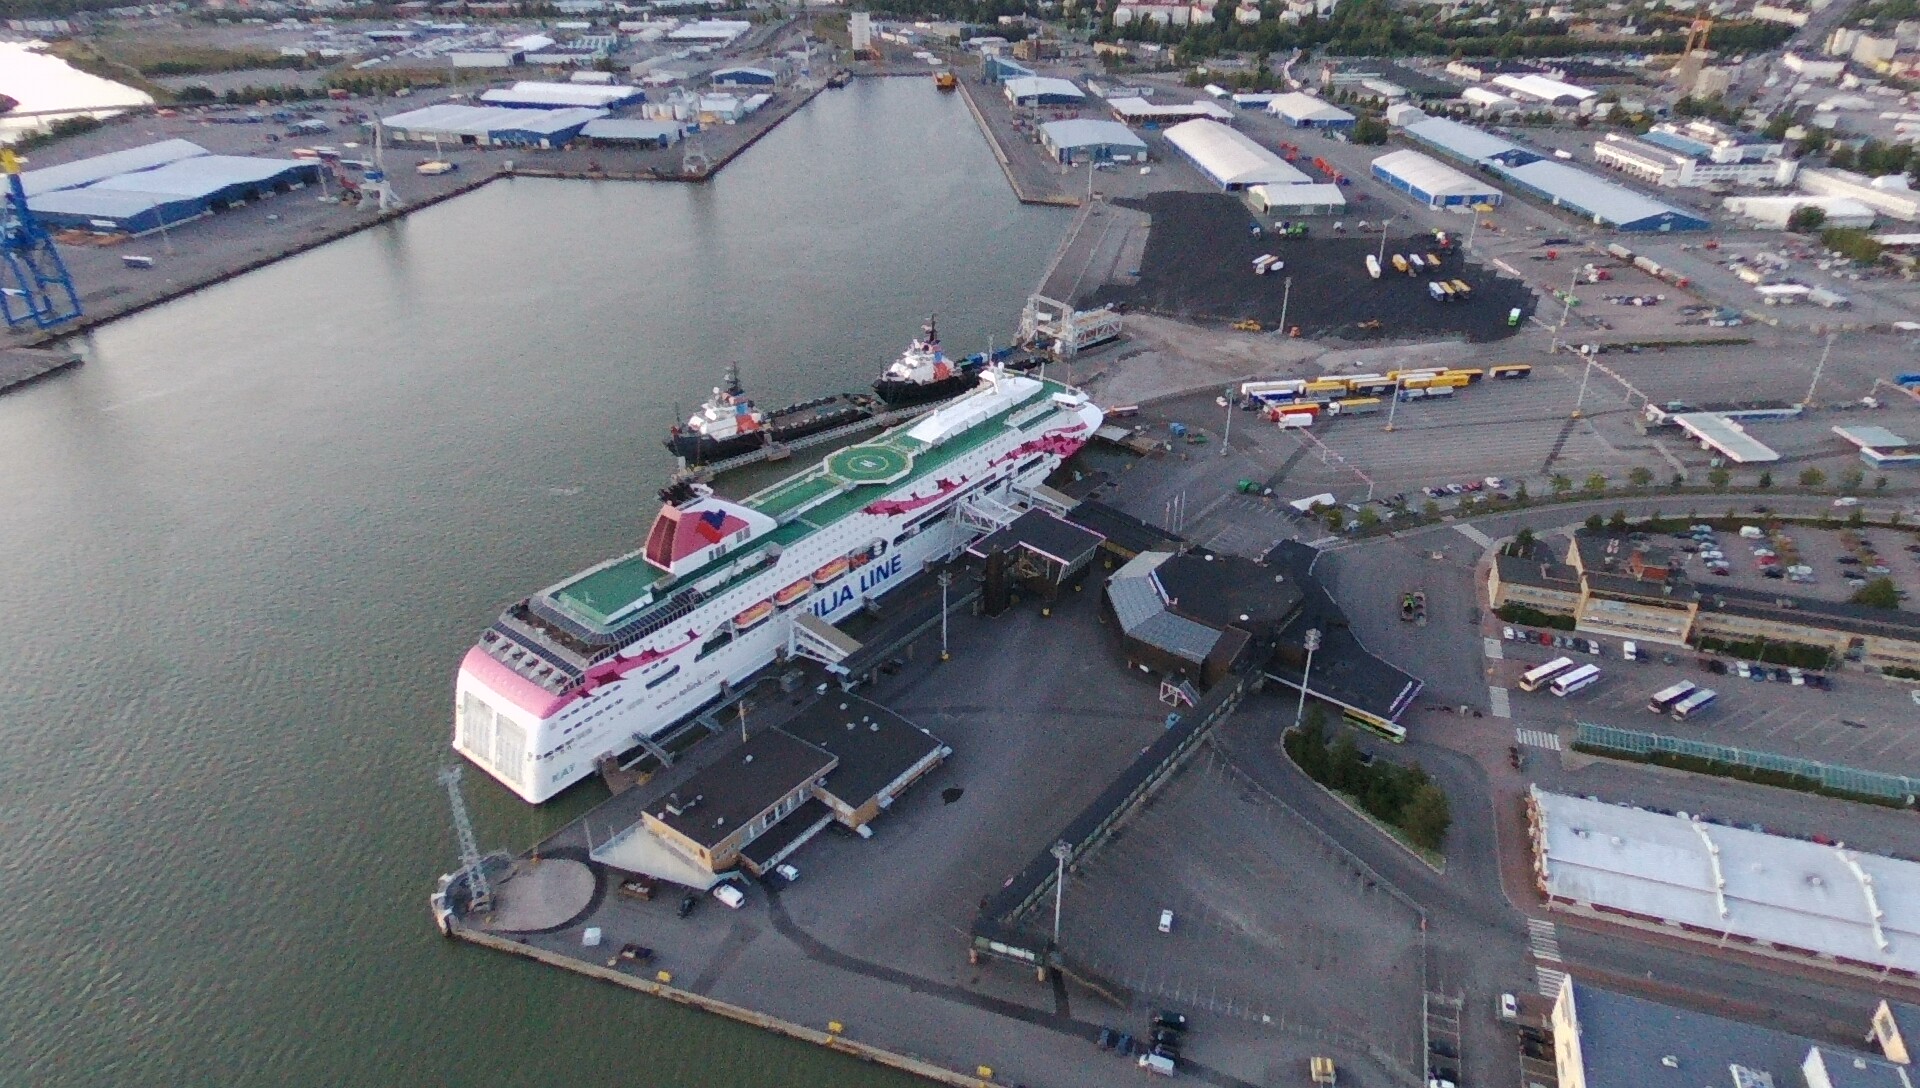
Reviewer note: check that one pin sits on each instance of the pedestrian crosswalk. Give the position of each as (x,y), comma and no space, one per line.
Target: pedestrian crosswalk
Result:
(1543,940)
(1498,703)
(1543,943)
(1538,738)
(1472,533)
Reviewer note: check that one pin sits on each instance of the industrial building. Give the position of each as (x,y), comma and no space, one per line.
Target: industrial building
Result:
(1306,111)
(1539,88)
(998,69)
(1720,882)
(1586,195)
(1612,587)
(622,132)
(487,126)
(742,76)
(1658,162)
(72,175)
(1433,182)
(1605,1039)
(1890,196)
(1080,140)
(187,188)
(1290,201)
(1139,111)
(556,96)
(1043,91)
(1774,212)
(710,31)
(1197,617)
(1231,159)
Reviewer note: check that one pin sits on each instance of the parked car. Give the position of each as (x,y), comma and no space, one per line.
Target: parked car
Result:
(687,903)
(1107,1038)
(1168,1019)
(1166,921)
(1509,1007)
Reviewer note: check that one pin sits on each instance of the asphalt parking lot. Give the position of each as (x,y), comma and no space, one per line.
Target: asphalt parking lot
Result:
(1256,898)
(1864,721)
(1842,560)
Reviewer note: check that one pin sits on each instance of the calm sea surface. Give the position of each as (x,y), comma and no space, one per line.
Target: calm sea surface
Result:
(243,548)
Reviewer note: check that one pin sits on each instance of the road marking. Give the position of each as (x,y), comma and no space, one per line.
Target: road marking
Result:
(1472,533)
(1494,653)
(1538,738)
(1550,979)
(1498,704)
(1543,940)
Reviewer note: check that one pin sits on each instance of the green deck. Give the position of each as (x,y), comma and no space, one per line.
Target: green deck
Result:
(604,593)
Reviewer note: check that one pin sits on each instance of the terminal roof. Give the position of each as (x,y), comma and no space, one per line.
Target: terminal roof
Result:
(875,746)
(742,784)
(1630,1042)
(1725,436)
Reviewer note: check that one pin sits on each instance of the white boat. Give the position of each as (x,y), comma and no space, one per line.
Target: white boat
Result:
(625,650)
(1373,266)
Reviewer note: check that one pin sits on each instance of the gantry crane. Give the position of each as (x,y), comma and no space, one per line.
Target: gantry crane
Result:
(36,286)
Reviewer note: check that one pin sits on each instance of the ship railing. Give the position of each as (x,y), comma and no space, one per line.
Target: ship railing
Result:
(535,641)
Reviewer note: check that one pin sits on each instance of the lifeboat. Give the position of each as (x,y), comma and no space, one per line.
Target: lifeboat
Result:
(831,571)
(753,616)
(791,595)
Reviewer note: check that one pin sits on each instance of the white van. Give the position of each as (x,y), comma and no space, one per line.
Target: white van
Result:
(730,895)
(1630,651)
(1157,1063)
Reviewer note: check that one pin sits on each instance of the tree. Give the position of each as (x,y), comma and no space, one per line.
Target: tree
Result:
(1369,130)
(1857,517)
(1309,749)
(1850,479)
(1640,476)
(1596,483)
(1766,480)
(1520,492)
(1618,521)
(1879,593)
(1367,518)
(1430,509)
(1561,483)
(1595,523)
(1807,219)
(1335,518)
(1344,771)
(1522,545)
(1718,477)
(1678,479)
(1812,477)
(1849,242)
(1427,817)
(1879,483)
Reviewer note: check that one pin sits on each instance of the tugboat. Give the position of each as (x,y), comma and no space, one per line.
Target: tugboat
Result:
(728,423)
(923,372)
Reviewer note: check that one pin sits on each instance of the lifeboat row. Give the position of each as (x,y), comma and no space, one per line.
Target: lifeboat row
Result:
(793,594)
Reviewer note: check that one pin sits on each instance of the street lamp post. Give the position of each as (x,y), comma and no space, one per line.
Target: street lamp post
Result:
(1227,438)
(946,579)
(1581,398)
(1565,312)
(1300,709)
(1062,853)
(1286,296)
(1393,402)
(1817,368)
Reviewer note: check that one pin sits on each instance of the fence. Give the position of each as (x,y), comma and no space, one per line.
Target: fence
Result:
(1896,788)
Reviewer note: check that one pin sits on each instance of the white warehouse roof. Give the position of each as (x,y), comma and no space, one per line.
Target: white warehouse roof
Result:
(1430,175)
(1542,89)
(1231,158)
(1141,111)
(71,175)
(1298,107)
(1083,132)
(452,119)
(1033,86)
(561,94)
(1826,900)
(1614,204)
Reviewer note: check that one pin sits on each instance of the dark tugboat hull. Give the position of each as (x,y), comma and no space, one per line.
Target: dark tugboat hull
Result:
(899,394)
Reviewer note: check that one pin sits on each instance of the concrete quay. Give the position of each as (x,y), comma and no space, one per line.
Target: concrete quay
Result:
(18,366)
(1026,174)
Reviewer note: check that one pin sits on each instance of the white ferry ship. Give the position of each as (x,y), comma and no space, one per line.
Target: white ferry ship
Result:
(623,651)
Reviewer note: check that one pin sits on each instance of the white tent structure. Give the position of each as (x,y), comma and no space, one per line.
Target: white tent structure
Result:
(1231,159)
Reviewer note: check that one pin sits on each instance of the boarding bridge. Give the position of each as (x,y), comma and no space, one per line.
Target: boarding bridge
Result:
(812,637)
(981,513)
(1056,327)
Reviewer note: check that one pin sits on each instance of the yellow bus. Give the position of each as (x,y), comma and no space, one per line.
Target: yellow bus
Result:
(1511,370)
(1472,374)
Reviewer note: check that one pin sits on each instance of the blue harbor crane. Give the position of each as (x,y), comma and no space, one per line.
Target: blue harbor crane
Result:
(35,285)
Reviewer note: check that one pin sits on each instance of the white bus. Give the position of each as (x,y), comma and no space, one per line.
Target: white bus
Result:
(1664,699)
(1694,704)
(1569,682)
(1540,674)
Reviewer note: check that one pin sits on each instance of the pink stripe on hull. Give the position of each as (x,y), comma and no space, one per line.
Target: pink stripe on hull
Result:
(510,685)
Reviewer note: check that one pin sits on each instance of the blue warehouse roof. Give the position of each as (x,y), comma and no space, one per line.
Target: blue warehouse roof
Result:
(1597,198)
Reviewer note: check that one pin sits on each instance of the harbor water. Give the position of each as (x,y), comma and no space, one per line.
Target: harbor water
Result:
(245,545)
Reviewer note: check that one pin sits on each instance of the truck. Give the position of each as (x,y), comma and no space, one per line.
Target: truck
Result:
(1322,1071)
(1832,300)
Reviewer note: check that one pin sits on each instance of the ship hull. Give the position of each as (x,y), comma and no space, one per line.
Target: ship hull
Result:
(538,743)
(901,394)
(700,449)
